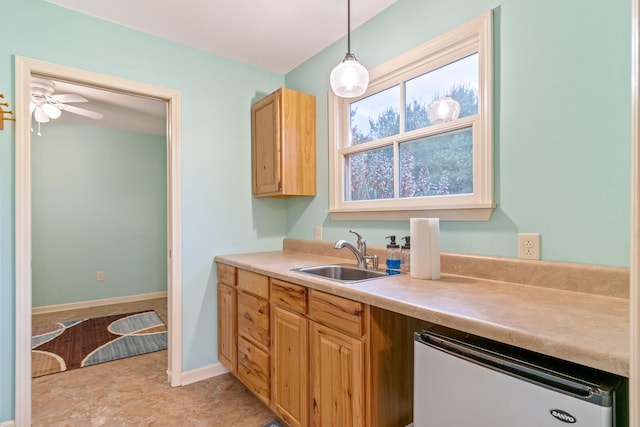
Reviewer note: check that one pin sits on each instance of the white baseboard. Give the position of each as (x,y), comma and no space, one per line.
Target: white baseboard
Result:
(94,303)
(203,373)
(9,423)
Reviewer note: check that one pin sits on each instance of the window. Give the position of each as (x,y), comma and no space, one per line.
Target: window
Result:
(419,142)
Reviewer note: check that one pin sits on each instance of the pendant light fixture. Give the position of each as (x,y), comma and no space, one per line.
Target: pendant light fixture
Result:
(349,78)
(443,110)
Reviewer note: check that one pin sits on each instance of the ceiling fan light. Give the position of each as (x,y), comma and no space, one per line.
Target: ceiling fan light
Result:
(40,115)
(349,78)
(51,110)
(32,106)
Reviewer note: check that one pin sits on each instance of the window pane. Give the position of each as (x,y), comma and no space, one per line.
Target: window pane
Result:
(371,174)
(375,116)
(427,96)
(437,165)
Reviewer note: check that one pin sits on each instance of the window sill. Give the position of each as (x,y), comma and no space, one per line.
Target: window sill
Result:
(476,213)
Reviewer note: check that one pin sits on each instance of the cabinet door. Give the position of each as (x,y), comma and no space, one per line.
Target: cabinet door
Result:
(266,145)
(290,379)
(227,336)
(337,378)
(298,144)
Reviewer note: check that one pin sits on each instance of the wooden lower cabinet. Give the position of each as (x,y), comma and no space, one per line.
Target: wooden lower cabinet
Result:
(391,361)
(253,319)
(227,332)
(254,333)
(337,378)
(253,369)
(316,359)
(290,367)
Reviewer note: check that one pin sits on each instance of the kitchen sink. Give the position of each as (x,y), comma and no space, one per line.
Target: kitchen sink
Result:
(343,273)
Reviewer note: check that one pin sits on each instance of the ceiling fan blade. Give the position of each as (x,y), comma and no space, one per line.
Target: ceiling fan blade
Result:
(82,111)
(69,97)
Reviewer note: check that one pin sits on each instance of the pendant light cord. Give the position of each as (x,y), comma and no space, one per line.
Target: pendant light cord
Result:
(348,26)
(349,79)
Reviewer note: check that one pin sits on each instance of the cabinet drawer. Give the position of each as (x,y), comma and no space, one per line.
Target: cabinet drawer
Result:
(253,318)
(226,274)
(337,312)
(289,295)
(253,369)
(253,283)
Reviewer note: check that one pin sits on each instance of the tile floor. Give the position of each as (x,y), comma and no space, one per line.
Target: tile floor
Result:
(135,391)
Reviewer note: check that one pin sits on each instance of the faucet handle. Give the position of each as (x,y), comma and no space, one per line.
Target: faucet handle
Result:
(362,244)
(374,261)
(358,235)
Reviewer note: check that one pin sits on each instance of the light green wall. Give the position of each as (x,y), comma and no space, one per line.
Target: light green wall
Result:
(98,204)
(562,94)
(562,125)
(219,215)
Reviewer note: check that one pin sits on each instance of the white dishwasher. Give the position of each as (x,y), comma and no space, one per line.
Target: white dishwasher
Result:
(461,380)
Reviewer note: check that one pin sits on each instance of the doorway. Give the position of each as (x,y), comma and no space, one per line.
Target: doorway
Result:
(24,69)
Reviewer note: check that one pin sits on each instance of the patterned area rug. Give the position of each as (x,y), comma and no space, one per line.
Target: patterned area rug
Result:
(75,344)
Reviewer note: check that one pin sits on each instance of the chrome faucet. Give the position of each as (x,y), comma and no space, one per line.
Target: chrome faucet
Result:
(360,251)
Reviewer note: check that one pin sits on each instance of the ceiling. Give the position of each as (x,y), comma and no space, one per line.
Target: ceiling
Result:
(275,36)
(272,35)
(121,111)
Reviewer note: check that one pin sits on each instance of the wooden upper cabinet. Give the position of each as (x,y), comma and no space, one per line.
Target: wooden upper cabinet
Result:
(284,144)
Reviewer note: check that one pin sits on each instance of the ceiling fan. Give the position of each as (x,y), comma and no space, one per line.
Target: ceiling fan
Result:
(45,105)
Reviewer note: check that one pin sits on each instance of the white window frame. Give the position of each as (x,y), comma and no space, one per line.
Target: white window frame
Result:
(466,39)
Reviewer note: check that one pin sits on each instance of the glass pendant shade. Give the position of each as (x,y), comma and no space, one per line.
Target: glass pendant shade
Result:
(51,110)
(349,78)
(40,115)
(443,110)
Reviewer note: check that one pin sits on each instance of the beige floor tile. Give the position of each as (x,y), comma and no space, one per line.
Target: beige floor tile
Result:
(135,391)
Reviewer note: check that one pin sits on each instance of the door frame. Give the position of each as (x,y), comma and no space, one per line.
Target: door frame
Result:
(634,263)
(24,68)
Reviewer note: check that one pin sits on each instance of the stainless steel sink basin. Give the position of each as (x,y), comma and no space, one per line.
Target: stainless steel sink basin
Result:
(343,273)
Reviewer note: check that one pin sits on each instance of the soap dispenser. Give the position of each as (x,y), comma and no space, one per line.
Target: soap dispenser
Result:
(405,254)
(393,256)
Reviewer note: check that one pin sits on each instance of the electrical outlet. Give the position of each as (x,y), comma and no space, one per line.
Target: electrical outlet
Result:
(529,246)
(100,276)
(318,232)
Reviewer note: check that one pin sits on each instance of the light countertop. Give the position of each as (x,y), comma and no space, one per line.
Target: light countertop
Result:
(584,328)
